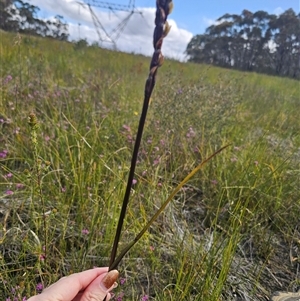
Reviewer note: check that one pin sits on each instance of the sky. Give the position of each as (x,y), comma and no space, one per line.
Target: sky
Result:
(189,17)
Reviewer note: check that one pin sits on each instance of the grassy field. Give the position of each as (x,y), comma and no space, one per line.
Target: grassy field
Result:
(231,232)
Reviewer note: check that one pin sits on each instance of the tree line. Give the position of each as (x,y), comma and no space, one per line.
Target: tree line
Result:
(259,42)
(19,16)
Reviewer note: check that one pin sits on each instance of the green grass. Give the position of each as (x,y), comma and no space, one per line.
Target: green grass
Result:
(232,229)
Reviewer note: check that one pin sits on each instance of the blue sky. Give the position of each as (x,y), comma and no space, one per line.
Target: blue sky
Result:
(188,18)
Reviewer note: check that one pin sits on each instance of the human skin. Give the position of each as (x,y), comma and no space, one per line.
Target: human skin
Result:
(90,285)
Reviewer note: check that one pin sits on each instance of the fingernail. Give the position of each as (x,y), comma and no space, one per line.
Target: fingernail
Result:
(108,282)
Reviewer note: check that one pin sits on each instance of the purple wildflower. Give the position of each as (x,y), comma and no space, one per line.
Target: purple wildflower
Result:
(122,281)
(9,192)
(7,79)
(156,161)
(39,287)
(134,181)
(214,182)
(42,257)
(3,154)
(19,185)
(126,127)
(145,298)
(191,133)
(85,231)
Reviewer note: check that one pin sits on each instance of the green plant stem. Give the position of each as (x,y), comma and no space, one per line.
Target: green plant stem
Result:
(130,179)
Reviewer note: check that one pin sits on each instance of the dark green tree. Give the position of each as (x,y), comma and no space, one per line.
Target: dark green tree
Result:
(20,16)
(6,16)
(257,41)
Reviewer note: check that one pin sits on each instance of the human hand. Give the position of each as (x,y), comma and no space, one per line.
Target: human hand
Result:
(90,285)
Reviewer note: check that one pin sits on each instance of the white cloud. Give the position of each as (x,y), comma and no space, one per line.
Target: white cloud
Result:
(278,11)
(209,22)
(135,37)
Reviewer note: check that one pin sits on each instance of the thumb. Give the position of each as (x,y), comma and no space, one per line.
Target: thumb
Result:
(100,287)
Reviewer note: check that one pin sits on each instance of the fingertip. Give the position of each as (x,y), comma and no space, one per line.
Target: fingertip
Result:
(109,281)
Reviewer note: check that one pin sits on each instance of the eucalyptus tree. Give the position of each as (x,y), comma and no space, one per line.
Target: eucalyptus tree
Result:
(257,41)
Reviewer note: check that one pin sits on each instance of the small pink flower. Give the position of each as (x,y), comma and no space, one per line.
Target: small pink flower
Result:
(19,185)
(42,257)
(214,182)
(39,287)
(134,181)
(9,192)
(47,138)
(190,133)
(120,297)
(3,154)
(126,127)
(63,189)
(151,248)
(7,79)
(85,231)
(122,281)
(159,184)
(145,298)
(156,161)
(9,175)
(256,163)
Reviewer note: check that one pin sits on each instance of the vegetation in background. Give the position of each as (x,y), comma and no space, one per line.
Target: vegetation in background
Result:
(233,231)
(20,16)
(257,41)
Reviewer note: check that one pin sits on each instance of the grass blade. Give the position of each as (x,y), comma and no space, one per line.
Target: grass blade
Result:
(162,208)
